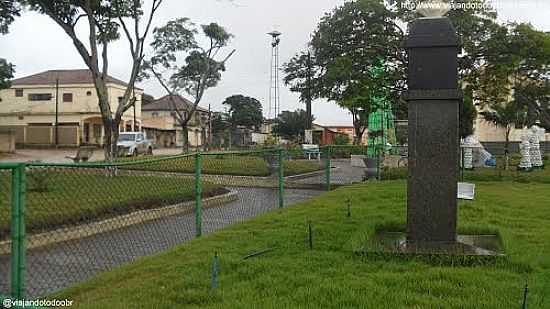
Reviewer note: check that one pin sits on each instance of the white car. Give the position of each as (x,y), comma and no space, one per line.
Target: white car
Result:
(133,144)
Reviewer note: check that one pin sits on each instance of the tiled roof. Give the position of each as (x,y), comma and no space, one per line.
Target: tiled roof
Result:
(165,104)
(50,77)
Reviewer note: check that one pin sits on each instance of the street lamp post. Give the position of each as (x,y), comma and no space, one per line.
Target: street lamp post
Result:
(308,89)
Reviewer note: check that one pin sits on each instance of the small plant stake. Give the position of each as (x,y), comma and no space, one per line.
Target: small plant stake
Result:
(525,291)
(215,272)
(310,238)
(348,201)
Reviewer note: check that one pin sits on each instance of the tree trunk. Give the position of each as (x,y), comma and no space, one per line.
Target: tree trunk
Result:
(358,135)
(506,150)
(185,138)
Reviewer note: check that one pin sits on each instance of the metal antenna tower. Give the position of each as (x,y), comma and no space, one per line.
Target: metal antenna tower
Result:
(274,94)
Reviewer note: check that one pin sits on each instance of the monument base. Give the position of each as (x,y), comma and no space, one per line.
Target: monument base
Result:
(465,245)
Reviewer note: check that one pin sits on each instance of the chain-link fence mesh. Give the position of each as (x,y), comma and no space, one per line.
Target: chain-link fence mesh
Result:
(88,218)
(83,220)
(250,181)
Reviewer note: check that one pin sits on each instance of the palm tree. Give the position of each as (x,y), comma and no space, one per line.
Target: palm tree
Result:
(506,115)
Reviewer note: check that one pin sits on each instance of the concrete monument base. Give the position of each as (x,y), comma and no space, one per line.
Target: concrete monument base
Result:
(470,245)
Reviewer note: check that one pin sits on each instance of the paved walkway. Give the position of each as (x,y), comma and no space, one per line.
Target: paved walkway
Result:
(59,266)
(59,155)
(342,173)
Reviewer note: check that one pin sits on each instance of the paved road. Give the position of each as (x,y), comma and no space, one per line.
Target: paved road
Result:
(342,173)
(59,155)
(63,265)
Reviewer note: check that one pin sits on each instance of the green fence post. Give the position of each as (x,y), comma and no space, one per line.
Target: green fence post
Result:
(18,232)
(281,178)
(327,168)
(198,193)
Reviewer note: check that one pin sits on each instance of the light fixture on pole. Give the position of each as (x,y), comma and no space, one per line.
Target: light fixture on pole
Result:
(274,95)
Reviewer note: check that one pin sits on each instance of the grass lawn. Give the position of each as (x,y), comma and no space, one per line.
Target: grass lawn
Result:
(296,167)
(212,164)
(71,197)
(225,164)
(332,275)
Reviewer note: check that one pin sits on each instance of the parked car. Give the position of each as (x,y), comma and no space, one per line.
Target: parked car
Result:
(134,144)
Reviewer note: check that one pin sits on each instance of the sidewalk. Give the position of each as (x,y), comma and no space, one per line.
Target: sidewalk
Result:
(59,155)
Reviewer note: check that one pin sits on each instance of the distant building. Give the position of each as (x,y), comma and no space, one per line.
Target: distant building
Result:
(350,132)
(321,135)
(161,125)
(29,108)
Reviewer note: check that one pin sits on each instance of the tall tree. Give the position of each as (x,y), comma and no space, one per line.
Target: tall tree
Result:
(199,69)
(291,125)
(506,115)
(105,20)
(244,111)
(8,11)
(467,113)
(517,70)
(345,46)
(6,73)
(301,73)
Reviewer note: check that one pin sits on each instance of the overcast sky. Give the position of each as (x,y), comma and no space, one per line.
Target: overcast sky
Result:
(35,44)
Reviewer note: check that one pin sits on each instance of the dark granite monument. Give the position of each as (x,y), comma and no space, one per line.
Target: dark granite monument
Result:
(433,98)
(433,101)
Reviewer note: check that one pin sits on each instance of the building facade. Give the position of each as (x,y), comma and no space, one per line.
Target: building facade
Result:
(35,104)
(350,132)
(161,126)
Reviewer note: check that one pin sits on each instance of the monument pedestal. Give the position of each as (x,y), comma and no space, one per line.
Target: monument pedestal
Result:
(433,100)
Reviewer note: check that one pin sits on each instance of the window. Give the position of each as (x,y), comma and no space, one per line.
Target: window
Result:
(18,92)
(67,97)
(155,114)
(40,96)
(88,93)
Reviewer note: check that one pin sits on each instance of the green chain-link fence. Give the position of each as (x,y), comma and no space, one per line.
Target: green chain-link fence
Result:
(63,223)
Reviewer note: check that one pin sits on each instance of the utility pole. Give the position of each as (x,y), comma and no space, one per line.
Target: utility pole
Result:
(57,112)
(308,98)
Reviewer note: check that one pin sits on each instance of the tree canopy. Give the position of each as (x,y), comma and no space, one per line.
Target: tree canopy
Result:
(183,66)
(244,111)
(8,11)
(517,69)
(6,73)
(291,125)
(347,44)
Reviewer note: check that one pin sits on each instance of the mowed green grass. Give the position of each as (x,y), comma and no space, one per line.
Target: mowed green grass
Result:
(332,275)
(73,196)
(224,164)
